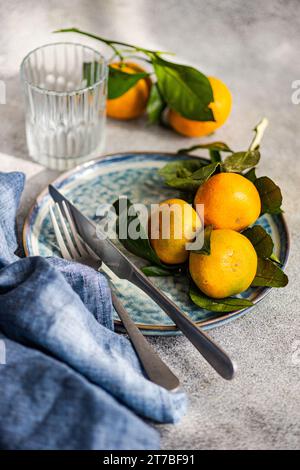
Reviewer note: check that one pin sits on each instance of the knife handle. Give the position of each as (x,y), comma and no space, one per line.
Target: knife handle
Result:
(156,370)
(213,353)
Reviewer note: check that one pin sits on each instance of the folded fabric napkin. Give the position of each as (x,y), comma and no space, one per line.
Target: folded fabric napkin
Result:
(69,381)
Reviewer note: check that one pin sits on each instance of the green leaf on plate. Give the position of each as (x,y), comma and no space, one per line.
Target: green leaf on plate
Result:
(261,241)
(251,175)
(119,82)
(191,183)
(141,246)
(181,168)
(176,174)
(217,146)
(156,271)
(230,304)
(183,184)
(275,258)
(185,89)
(269,275)
(205,172)
(155,105)
(240,161)
(270,195)
(205,249)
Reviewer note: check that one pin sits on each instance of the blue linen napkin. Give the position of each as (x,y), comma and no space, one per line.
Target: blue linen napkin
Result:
(69,381)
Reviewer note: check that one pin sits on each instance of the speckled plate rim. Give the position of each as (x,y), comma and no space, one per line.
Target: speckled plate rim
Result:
(147,329)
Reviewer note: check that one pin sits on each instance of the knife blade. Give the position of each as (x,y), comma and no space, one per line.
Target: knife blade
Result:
(125,269)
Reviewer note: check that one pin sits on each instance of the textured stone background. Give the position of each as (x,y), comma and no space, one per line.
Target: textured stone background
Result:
(254,47)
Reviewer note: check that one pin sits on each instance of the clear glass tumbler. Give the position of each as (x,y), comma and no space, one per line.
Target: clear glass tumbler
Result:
(65,87)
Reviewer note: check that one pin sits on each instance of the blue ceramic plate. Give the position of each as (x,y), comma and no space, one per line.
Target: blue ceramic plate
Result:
(135,175)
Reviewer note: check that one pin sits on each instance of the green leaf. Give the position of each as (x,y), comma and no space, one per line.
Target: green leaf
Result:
(261,241)
(240,161)
(275,258)
(156,271)
(218,146)
(191,183)
(269,275)
(176,173)
(155,105)
(205,249)
(251,175)
(183,184)
(230,304)
(119,82)
(185,89)
(270,195)
(205,172)
(176,167)
(141,246)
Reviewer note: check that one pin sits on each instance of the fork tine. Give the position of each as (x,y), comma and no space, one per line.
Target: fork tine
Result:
(70,245)
(82,250)
(64,251)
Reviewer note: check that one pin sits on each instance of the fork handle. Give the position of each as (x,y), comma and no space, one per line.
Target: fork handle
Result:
(157,371)
(213,353)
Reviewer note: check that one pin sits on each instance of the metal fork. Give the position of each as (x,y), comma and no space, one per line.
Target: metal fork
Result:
(72,248)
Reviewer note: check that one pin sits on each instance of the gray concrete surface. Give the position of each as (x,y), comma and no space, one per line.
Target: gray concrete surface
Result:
(254,47)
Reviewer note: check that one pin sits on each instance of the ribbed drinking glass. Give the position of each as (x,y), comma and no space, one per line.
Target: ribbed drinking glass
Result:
(65,87)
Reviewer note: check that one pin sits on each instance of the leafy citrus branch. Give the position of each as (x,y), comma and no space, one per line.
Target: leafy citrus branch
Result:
(180,87)
(112,43)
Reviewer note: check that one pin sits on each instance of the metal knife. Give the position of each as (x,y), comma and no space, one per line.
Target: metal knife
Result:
(125,269)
